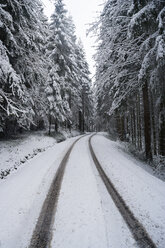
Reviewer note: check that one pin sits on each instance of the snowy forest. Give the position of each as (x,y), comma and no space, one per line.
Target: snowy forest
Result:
(43,70)
(130,74)
(46,83)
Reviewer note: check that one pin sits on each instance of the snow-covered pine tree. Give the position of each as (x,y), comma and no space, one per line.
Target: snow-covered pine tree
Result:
(24,73)
(63,80)
(129,78)
(114,81)
(11,93)
(73,83)
(11,87)
(58,52)
(22,33)
(85,91)
(148,21)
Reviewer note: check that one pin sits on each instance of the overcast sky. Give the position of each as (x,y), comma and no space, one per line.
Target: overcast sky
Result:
(83,13)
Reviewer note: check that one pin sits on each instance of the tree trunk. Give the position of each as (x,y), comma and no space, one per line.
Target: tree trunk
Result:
(122,135)
(147,124)
(134,125)
(162,131)
(118,128)
(131,126)
(153,125)
(139,131)
(56,126)
(80,121)
(137,121)
(83,113)
(50,123)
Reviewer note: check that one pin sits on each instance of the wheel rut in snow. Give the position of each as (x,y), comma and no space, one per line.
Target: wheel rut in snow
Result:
(42,233)
(138,231)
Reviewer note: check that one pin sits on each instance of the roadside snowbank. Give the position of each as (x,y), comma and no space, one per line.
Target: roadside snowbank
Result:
(156,167)
(14,153)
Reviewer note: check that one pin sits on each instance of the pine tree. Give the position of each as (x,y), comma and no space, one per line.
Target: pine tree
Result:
(86,95)
(23,33)
(41,78)
(149,18)
(63,77)
(129,78)
(58,52)
(11,91)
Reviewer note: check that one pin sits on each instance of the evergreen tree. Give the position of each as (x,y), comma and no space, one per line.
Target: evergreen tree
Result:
(66,74)
(85,91)
(59,47)
(129,78)
(22,35)
(41,78)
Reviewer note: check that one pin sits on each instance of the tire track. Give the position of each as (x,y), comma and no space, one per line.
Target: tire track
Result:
(42,233)
(138,231)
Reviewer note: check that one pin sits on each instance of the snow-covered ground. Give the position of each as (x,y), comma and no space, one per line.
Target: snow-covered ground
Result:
(16,152)
(143,193)
(86,215)
(22,195)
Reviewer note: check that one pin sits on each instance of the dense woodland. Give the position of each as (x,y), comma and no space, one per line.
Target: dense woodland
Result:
(45,80)
(130,77)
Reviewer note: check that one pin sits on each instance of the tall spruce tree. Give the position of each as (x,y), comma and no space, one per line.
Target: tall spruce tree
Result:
(85,91)
(22,35)
(59,51)
(41,78)
(129,78)
(66,75)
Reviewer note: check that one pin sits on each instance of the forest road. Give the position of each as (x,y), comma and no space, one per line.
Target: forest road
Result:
(72,208)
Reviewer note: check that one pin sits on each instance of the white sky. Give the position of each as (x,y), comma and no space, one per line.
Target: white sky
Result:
(83,13)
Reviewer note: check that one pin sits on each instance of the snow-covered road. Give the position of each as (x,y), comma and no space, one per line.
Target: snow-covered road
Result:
(86,216)
(22,194)
(82,217)
(79,218)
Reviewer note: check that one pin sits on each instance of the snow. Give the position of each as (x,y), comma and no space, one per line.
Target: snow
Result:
(161,48)
(160,18)
(16,152)
(79,212)
(142,15)
(86,215)
(23,193)
(117,232)
(143,193)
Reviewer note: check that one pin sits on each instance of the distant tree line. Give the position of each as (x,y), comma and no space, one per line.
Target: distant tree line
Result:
(130,77)
(44,76)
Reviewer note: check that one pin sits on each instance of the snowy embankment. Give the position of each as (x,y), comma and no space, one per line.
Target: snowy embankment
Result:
(23,193)
(143,193)
(16,152)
